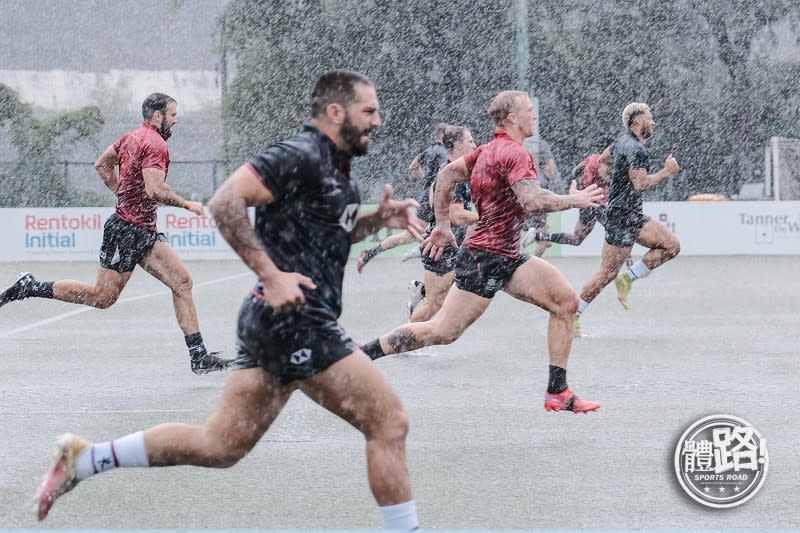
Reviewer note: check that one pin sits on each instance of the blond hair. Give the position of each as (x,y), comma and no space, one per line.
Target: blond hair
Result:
(631,111)
(504,104)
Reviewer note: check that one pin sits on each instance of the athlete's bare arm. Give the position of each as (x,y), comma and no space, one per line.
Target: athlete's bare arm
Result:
(229,208)
(446,181)
(156,188)
(642,180)
(106,166)
(442,235)
(533,198)
(390,214)
(460,216)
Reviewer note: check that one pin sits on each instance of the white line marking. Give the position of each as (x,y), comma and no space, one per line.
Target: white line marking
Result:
(68,314)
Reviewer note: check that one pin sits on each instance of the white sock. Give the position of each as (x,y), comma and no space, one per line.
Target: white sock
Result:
(582,305)
(129,451)
(639,270)
(402,517)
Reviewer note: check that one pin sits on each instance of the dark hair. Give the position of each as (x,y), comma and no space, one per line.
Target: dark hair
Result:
(604,141)
(156,102)
(453,134)
(335,87)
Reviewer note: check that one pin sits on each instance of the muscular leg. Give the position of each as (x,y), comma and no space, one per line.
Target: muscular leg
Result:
(436,288)
(251,401)
(102,294)
(612,260)
(540,283)
(459,310)
(355,390)
(164,264)
(663,244)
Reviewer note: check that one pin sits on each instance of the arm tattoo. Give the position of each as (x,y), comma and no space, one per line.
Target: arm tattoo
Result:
(233,223)
(403,340)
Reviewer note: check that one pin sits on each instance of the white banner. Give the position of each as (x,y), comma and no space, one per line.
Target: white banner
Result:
(704,228)
(76,233)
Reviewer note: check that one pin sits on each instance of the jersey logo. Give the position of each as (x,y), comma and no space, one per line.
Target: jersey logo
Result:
(116,258)
(349,216)
(300,356)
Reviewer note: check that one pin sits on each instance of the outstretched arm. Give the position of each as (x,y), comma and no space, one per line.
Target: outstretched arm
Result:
(390,214)
(533,198)
(156,188)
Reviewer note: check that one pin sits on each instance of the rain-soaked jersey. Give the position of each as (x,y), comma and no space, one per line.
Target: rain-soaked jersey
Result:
(628,153)
(137,150)
(307,229)
(495,167)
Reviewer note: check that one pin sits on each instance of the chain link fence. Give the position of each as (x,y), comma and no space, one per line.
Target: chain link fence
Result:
(77,184)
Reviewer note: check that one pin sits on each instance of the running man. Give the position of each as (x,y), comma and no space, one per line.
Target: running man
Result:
(424,167)
(505,191)
(626,222)
(130,236)
(288,333)
(427,296)
(595,169)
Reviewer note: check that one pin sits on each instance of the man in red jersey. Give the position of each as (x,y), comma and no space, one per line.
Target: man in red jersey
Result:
(595,169)
(130,236)
(505,190)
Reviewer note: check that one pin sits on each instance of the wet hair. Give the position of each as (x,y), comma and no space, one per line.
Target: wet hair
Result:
(631,111)
(603,142)
(335,87)
(504,104)
(453,134)
(156,102)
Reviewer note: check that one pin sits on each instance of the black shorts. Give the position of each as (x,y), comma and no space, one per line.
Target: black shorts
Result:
(290,345)
(590,215)
(623,226)
(484,273)
(125,245)
(445,264)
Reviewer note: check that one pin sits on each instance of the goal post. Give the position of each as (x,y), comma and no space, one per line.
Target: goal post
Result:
(783,164)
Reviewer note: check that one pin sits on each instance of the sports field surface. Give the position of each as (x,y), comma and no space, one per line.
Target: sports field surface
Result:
(705,335)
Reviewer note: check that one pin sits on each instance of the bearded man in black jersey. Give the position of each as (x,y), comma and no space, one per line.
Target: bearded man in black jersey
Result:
(288,335)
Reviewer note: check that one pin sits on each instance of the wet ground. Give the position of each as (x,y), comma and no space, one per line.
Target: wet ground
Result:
(705,335)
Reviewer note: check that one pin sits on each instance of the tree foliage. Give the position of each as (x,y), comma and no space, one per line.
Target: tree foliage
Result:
(716,98)
(41,144)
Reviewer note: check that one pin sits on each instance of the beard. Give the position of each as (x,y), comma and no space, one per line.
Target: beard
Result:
(352,138)
(647,132)
(164,130)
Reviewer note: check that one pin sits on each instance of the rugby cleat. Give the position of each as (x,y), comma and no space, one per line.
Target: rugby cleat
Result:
(417,294)
(203,363)
(568,401)
(17,290)
(61,477)
(624,284)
